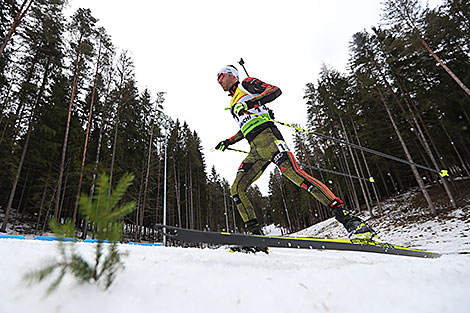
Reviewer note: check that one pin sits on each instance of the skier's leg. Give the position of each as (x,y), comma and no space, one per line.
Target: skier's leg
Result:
(248,172)
(289,167)
(356,227)
(262,148)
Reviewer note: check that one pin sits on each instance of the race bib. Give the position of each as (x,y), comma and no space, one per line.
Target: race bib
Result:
(282,146)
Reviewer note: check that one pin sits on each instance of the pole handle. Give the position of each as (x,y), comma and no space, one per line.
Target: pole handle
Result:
(242,63)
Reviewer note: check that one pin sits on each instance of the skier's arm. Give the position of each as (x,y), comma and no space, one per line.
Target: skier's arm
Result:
(265,92)
(235,138)
(232,140)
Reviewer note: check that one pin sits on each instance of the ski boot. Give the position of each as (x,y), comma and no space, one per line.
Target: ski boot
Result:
(356,227)
(253,228)
(363,231)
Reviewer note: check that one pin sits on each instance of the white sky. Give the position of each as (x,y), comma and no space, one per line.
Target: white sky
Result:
(179,46)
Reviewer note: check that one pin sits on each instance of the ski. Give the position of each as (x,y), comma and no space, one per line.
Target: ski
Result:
(223,238)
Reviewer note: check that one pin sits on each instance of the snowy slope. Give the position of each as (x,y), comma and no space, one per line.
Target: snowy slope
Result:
(161,279)
(404,225)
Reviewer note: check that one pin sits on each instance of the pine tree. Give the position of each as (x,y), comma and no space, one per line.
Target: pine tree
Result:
(82,28)
(105,215)
(21,13)
(45,51)
(407,15)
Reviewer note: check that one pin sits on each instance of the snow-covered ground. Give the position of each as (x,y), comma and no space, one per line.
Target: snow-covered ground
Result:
(169,279)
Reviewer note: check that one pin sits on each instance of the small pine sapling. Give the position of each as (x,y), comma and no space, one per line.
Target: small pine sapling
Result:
(105,216)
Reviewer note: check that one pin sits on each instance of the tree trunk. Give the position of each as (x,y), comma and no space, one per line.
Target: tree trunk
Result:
(17,177)
(427,148)
(67,129)
(419,134)
(455,149)
(138,210)
(356,168)
(113,158)
(41,206)
(18,18)
(100,137)
(422,139)
(15,118)
(177,194)
(457,80)
(408,156)
(25,147)
(353,188)
(147,174)
(369,174)
(191,200)
(366,185)
(44,194)
(90,114)
(2,117)
(424,125)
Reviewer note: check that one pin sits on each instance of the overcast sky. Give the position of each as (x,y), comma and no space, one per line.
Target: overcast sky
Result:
(179,46)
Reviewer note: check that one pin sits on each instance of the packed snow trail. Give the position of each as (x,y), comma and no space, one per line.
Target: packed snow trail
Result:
(163,279)
(192,280)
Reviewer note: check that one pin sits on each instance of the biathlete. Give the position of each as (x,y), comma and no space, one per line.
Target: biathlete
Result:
(248,106)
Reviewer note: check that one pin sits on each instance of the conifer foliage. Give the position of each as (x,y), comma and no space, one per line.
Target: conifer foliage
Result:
(70,108)
(399,96)
(105,214)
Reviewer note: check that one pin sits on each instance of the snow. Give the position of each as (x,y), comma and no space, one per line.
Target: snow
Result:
(171,279)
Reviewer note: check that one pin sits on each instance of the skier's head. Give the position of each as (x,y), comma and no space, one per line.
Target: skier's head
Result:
(227,77)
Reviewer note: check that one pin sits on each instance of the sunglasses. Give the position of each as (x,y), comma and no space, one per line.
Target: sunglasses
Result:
(220,77)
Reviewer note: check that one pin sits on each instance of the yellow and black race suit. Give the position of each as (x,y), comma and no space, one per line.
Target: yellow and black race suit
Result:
(266,145)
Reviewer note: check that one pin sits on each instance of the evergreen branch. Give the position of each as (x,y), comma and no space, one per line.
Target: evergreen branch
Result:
(81,269)
(53,286)
(122,211)
(104,214)
(37,276)
(117,194)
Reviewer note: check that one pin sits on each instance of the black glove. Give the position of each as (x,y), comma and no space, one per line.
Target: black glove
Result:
(240,108)
(222,145)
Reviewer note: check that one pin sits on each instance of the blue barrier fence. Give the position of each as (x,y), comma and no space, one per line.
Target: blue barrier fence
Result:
(11,236)
(52,238)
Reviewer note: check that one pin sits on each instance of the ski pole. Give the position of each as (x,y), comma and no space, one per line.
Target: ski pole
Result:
(442,173)
(228,148)
(371,179)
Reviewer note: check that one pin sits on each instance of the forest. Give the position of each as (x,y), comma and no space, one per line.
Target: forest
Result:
(70,109)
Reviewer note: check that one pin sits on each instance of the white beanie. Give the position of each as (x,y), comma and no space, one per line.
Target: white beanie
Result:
(229,69)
